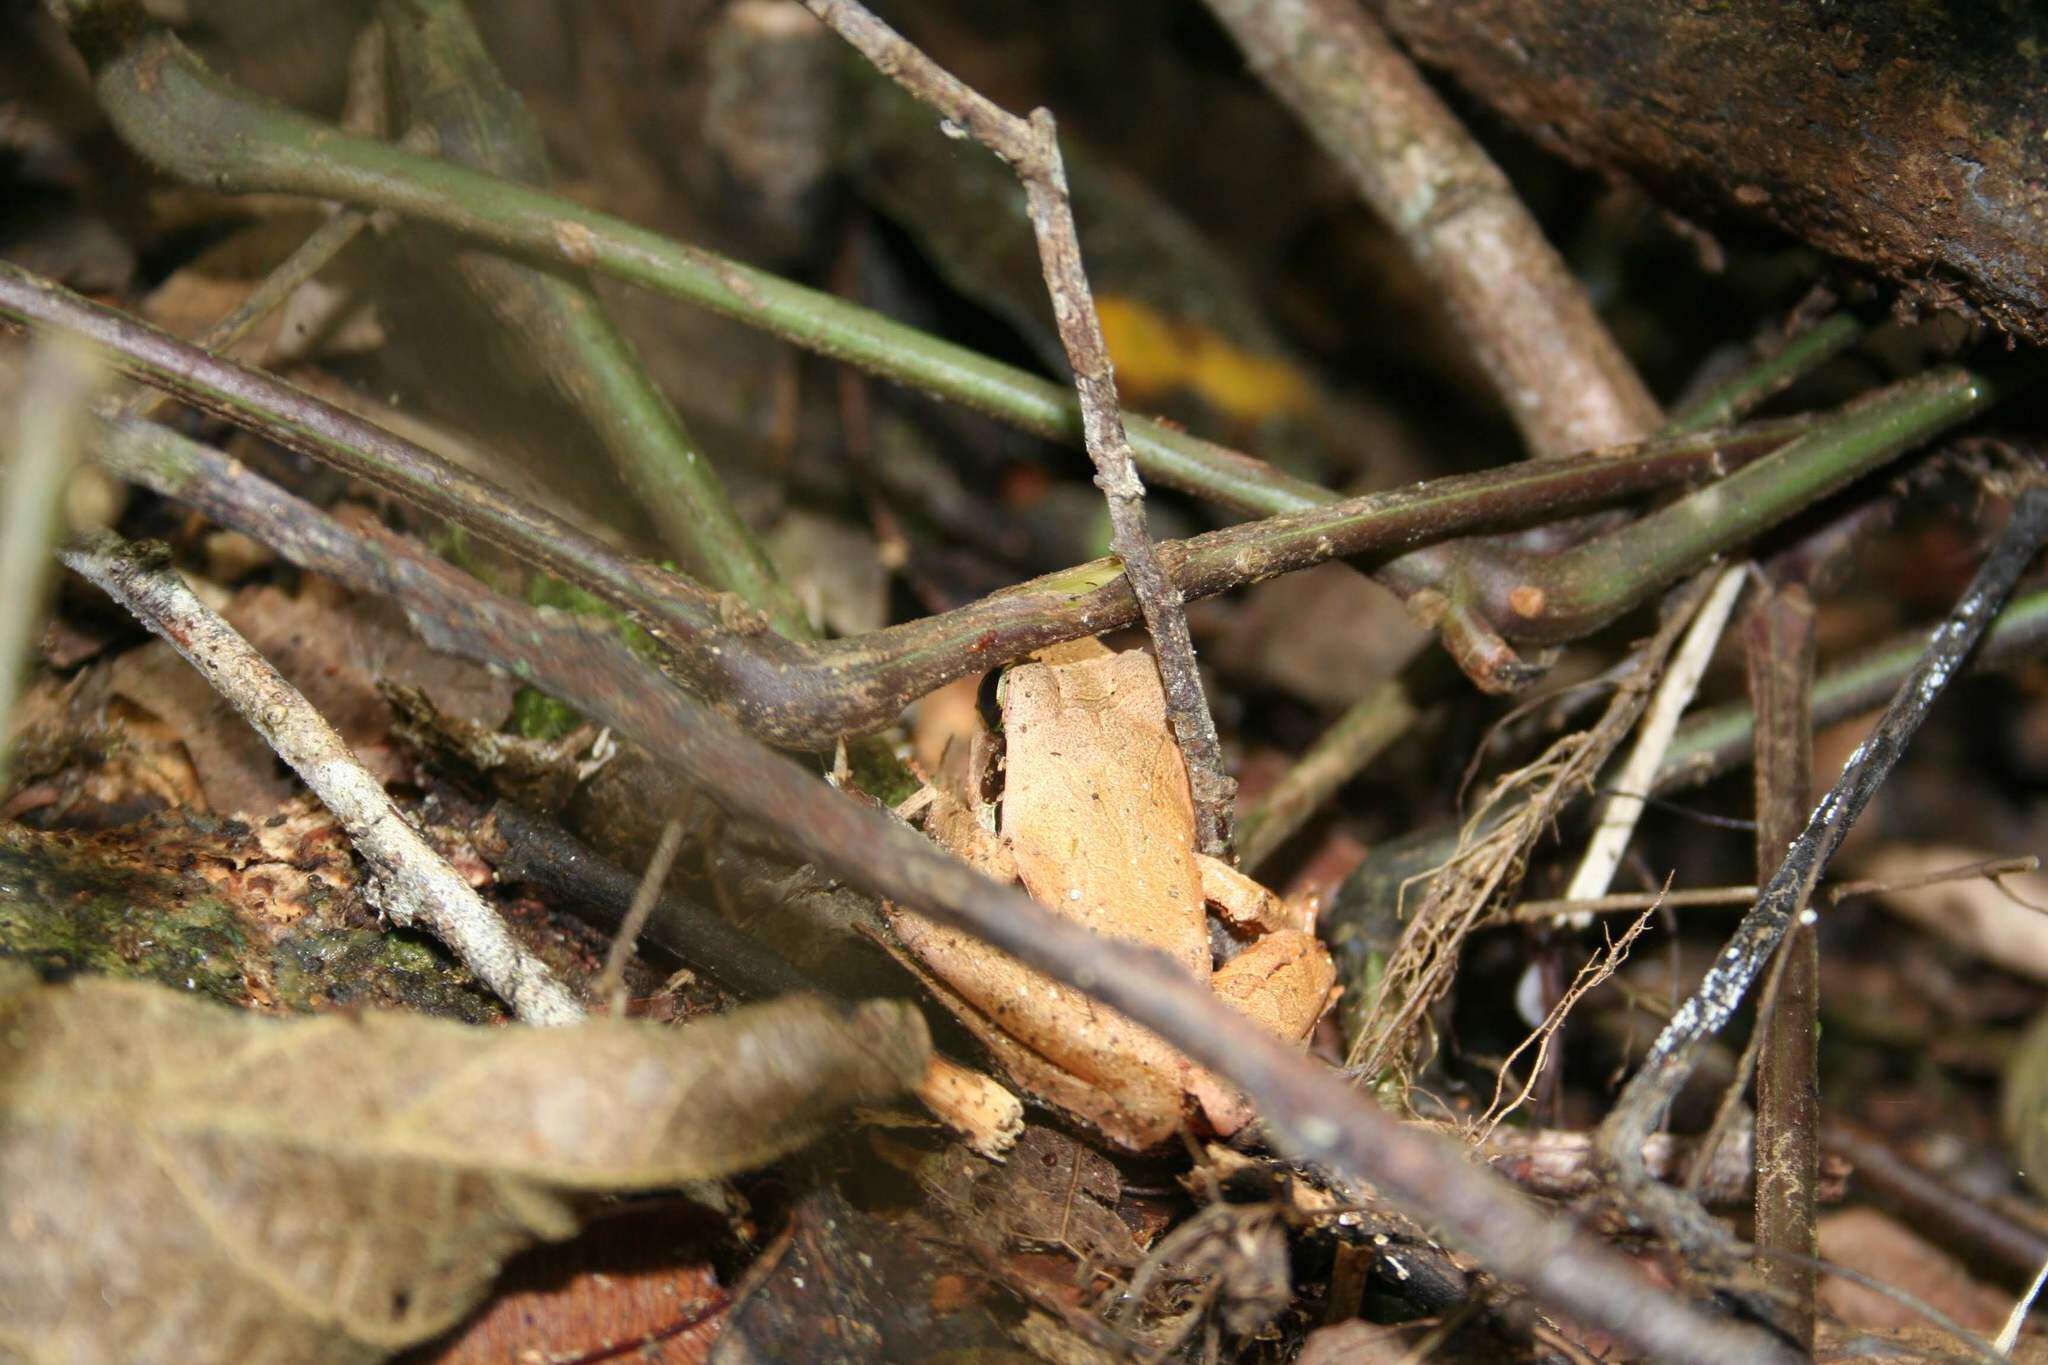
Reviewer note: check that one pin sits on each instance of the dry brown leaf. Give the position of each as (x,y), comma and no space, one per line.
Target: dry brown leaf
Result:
(187,1183)
(636,1286)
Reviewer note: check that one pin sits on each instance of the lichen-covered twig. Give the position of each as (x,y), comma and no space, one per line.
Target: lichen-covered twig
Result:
(1649,1093)
(1030,147)
(412,884)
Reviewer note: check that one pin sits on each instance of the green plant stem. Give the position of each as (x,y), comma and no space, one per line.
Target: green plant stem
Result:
(1575,592)
(1374,721)
(1729,401)
(559,327)
(200,128)
(1716,740)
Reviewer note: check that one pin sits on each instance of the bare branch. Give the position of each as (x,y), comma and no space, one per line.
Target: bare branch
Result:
(1528,323)
(1032,150)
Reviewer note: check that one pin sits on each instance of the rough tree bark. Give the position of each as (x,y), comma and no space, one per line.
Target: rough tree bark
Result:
(1906,137)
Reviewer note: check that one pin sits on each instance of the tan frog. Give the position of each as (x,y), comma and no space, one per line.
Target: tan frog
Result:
(1096,822)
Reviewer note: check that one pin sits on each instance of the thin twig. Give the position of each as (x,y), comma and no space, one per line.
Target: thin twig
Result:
(1649,1093)
(1825,339)
(611,982)
(1030,147)
(1536,912)
(523,847)
(1992,868)
(414,885)
(1618,815)
(46,436)
(308,259)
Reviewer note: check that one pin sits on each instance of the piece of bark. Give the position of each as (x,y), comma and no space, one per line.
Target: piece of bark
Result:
(1907,138)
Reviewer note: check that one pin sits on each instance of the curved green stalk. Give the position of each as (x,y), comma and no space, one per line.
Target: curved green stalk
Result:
(560,327)
(200,128)
(1576,591)
(1727,402)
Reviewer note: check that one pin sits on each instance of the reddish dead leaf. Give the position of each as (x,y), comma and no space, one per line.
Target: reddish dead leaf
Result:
(1866,1240)
(633,1287)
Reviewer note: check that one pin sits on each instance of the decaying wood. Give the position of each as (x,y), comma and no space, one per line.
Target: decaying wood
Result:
(1905,137)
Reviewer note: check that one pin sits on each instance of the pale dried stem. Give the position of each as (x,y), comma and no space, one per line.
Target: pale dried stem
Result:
(411,883)
(1618,816)
(1030,147)
(1493,851)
